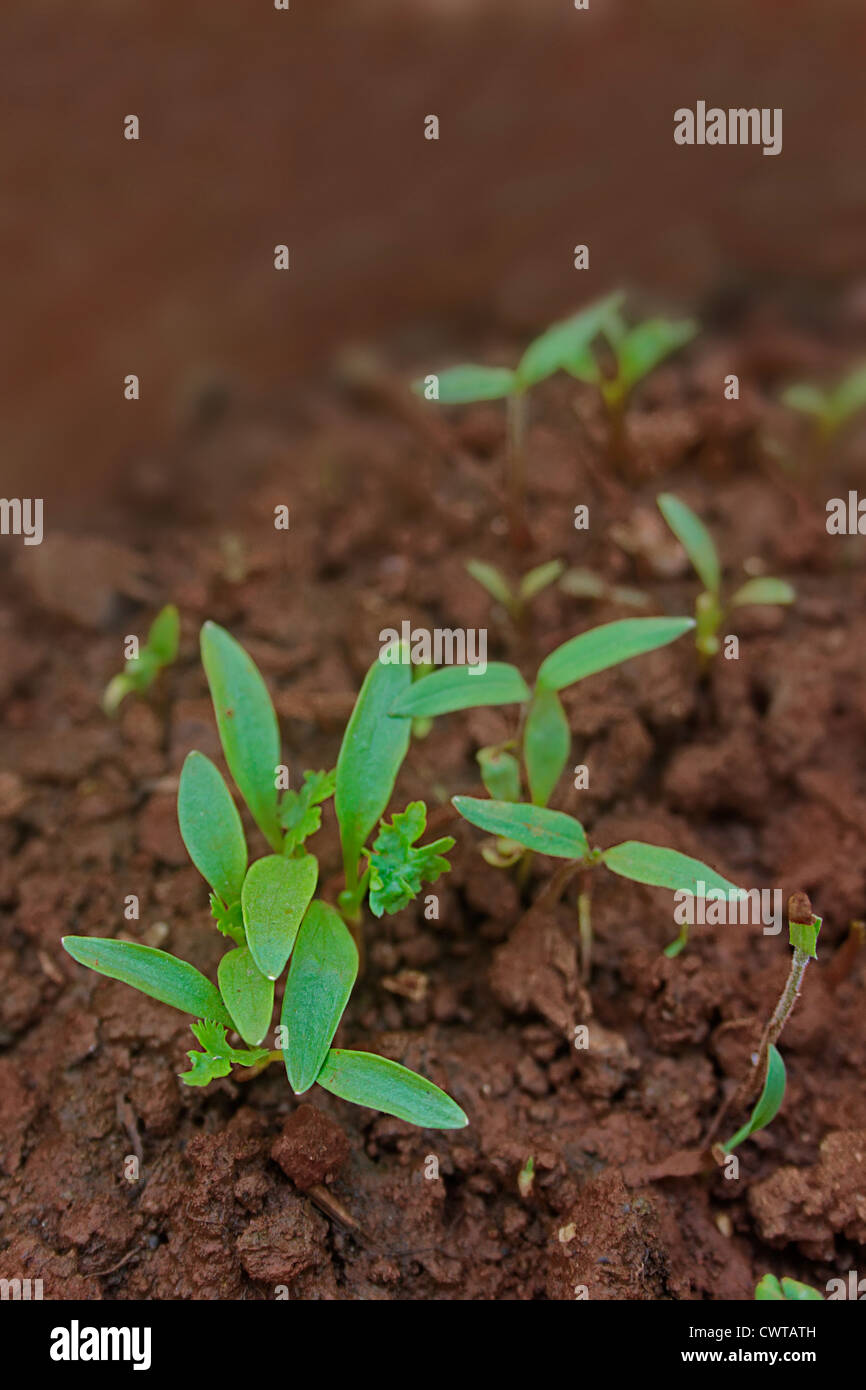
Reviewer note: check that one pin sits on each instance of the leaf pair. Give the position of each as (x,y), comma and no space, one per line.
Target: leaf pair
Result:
(637,352)
(514,600)
(831,408)
(698,544)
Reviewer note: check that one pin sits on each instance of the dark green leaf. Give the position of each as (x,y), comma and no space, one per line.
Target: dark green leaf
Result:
(217,1058)
(275,896)
(546,744)
(365,1079)
(397,868)
(156,973)
(608,645)
(371,754)
(247,725)
(664,868)
(247,994)
(323,970)
(210,827)
(463,687)
(536,827)
(694,538)
(468,382)
(769,1101)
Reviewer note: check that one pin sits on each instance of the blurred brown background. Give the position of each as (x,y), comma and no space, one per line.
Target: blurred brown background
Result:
(306,127)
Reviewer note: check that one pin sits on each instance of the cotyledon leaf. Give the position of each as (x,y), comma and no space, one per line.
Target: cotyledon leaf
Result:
(321,976)
(695,539)
(608,645)
(154,972)
(275,896)
(365,1079)
(535,827)
(247,994)
(462,687)
(664,868)
(546,744)
(210,827)
(769,1101)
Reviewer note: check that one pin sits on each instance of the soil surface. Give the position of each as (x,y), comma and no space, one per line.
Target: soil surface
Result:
(241,1189)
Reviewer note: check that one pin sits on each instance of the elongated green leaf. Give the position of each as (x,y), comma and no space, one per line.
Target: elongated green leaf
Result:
(500,773)
(491,579)
(763,590)
(365,1079)
(164,635)
(536,827)
(247,725)
(463,687)
(694,538)
(546,744)
(565,341)
(276,894)
(664,868)
(850,396)
(539,578)
(769,1102)
(321,976)
(470,382)
(154,972)
(210,827)
(608,645)
(371,754)
(650,343)
(247,994)
(811,400)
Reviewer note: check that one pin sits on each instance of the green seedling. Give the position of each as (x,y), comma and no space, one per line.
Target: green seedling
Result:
(769,1069)
(141,671)
(635,352)
(544,740)
(554,833)
(515,600)
(710,609)
(268,910)
(770,1289)
(548,354)
(830,410)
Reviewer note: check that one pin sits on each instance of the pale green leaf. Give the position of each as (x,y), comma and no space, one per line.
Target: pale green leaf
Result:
(546,744)
(695,539)
(462,687)
(769,1102)
(565,341)
(763,590)
(470,382)
(664,868)
(608,645)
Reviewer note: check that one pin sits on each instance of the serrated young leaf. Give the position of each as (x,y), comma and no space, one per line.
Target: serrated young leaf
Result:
(300,811)
(493,580)
(763,590)
(229,920)
(247,994)
(153,972)
(217,1056)
(606,646)
(500,773)
(664,868)
(695,539)
(397,868)
(210,827)
(454,688)
(769,1101)
(470,382)
(380,1084)
(535,827)
(371,755)
(565,341)
(247,725)
(645,346)
(275,896)
(546,744)
(321,976)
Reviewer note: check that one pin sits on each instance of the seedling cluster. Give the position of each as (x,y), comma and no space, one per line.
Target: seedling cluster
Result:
(710,608)
(268,909)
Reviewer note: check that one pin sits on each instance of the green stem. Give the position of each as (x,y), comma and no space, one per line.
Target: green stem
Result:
(584,919)
(516,414)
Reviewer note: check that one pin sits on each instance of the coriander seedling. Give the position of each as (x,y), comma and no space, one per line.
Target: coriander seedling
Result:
(140,672)
(469,383)
(636,352)
(543,831)
(832,409)
(268,909)
(515,600)
(769,1070)
(710,609)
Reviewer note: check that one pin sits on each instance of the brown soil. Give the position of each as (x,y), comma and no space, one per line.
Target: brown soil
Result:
(242,1188)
